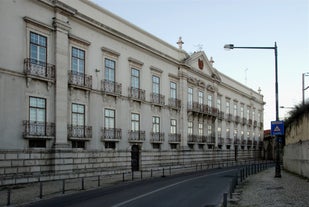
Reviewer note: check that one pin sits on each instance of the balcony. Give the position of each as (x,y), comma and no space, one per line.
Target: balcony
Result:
(111,135)
(38,69)
(229,117)
(192,139)
(210,111)
(236,141)
(174,138)
(220,141)
(157,99)
(35,129)
(220,115)
(80,80)
(79,132)
(250,122)
(137,94)
(201,139)
(211,139)
(243,142)
(228,141)
(255,124)
(174,103)
(136,136)
(237,119)
(111,87)
(157,137)
(244,121)
(249,143)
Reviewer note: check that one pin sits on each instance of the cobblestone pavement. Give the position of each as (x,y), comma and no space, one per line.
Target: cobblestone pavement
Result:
(263,190)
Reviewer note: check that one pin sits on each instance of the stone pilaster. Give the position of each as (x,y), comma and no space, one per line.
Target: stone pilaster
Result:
(62,27)
(183,125)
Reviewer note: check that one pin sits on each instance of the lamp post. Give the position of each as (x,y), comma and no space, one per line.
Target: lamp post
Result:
(303,81)
(231,46)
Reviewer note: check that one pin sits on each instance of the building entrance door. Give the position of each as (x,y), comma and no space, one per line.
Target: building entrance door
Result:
(135,158)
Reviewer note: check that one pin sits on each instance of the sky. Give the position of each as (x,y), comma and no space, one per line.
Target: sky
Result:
(210,24)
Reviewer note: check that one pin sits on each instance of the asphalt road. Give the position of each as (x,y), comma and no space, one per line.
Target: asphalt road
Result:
(191,189)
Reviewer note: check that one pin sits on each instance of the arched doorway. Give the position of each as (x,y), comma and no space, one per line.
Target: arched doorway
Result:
(135,158)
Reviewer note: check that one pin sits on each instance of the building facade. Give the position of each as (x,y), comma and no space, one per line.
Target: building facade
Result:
(83,89)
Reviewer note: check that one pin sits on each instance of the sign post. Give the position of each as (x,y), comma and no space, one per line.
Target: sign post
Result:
(277,130)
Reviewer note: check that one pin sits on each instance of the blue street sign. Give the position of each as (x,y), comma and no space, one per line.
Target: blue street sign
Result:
(277,128)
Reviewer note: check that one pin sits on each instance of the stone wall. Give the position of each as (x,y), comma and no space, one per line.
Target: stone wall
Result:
(33,165)
(296,158)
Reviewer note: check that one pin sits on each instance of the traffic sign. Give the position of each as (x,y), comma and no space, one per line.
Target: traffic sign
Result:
(277,128)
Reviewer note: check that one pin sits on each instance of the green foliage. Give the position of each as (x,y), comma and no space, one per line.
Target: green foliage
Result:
(296,115)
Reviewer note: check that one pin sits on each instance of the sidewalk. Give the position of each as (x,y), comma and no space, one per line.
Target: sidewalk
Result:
(263,189)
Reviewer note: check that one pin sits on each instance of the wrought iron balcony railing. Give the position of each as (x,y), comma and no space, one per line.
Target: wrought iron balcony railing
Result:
(40,69)
(157,99)
(174,103)
(201,139)
(174,138)
(220,115)
(191,138)
(111,87)
(220,141)
(211,139)
(79,132)
(38,129)
(236,141)
(157,137)
(136,136)
(111,134)
(137,94)
(228,141)
(80,79)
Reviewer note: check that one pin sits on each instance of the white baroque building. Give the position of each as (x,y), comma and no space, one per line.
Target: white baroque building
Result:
(83,89)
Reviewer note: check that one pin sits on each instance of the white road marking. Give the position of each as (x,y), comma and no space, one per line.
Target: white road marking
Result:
(165,187)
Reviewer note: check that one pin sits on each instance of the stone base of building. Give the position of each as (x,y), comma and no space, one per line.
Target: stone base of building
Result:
(25,166)
(295,158)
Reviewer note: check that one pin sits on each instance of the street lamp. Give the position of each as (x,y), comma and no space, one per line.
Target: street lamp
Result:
(230,47)
(303,91)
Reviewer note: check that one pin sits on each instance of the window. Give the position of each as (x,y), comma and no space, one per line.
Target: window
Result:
(135,77)
(78,60)
(228,133)
(173,90)
(78,144)
(110,70)
(253,115)
(209,101)
(37,109)
(219,104)
(235,133)
(219,130)
(209,130)
(200,129)
(201,97)
(38,48)
(242,111)
(190,96)
(190,127)
(135,122)
(37,143)
(155,84)
(109,118)
(227,108)
(155,124)
(37,116)
(235,109)
(248,113)
(173,126)
(78,115)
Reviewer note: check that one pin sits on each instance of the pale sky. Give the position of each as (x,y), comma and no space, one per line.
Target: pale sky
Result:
(210,24)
